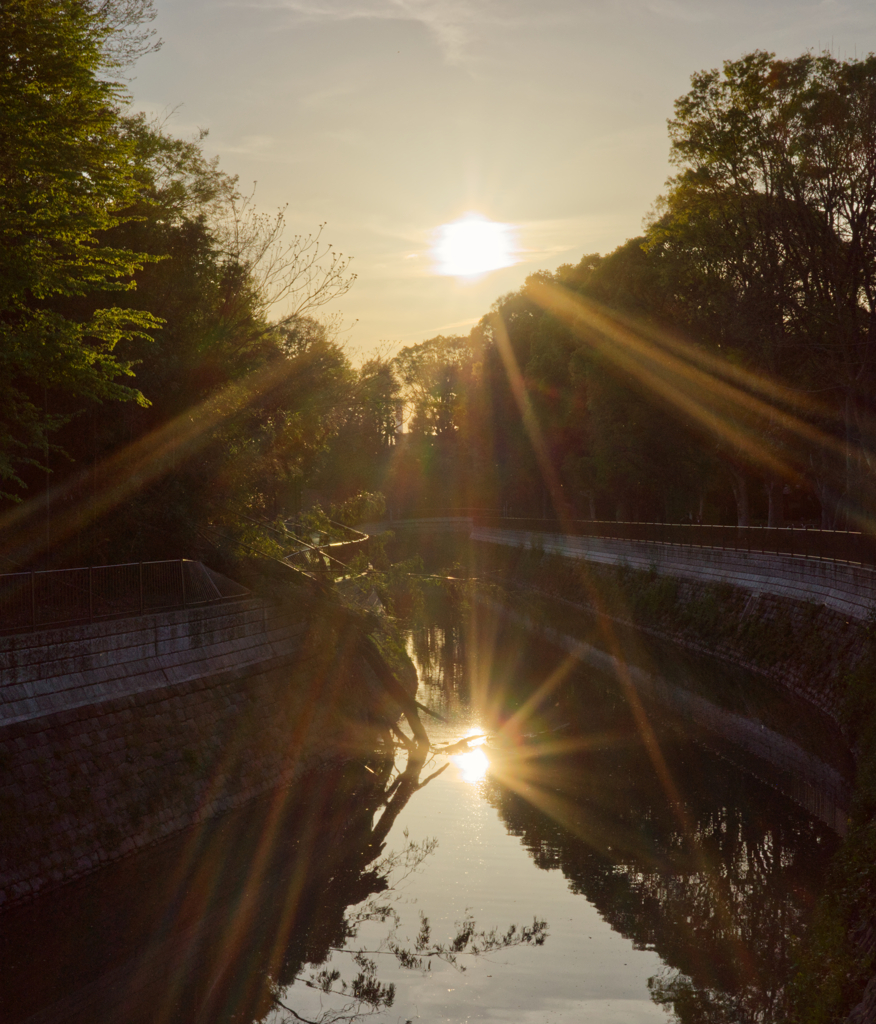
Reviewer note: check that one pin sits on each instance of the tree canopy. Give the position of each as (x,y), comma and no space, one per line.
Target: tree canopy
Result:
(66,177)
(720,366)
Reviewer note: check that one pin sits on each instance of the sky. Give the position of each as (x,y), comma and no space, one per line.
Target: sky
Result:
(386,119)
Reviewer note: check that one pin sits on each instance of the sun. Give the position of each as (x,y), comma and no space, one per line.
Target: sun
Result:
(473,245)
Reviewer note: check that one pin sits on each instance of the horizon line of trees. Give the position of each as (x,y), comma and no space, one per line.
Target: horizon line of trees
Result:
(719,367)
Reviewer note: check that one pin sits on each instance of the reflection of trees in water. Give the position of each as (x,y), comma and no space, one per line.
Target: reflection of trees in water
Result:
(207,926)
(217,925)
(719,898)
(359,876)
(438,651)
(719,886)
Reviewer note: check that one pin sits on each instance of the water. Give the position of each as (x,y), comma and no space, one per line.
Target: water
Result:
(666,877)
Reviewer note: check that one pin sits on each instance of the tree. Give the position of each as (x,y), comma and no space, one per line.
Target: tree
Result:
(429,375)
(66,175)
(129,38)
(299,276)
(774,208)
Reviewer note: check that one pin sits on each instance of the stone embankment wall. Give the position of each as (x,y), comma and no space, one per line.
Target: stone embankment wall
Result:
(117,735)
(804,646)
(61,669)
(775,759)
(845,588)
(804,649)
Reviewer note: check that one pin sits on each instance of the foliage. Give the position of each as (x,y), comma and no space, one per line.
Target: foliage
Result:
(362,507)
(66,176)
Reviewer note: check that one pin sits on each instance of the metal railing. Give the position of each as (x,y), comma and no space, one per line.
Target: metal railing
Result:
(822,545)
(56,597)
(802,542)
(338,543)
(441,513)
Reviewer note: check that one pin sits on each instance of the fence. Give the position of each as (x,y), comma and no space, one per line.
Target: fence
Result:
(828,545)
(339,543)
(34,600)
(823,545)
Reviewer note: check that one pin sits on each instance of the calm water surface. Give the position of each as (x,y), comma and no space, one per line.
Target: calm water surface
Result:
(667,878)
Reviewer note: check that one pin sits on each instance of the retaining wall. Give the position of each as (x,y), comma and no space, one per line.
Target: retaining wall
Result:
(845,588)
(59,669)
(775,759)
(117,735)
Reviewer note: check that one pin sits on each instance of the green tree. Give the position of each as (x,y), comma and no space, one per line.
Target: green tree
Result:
(66,176)
(774,212)
(429,375)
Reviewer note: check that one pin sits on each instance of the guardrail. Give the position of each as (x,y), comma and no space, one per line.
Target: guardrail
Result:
(335,550)
(56,597)
(439,513)
(824,545)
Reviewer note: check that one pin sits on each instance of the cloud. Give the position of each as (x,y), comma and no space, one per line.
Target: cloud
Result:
(456,25)
(252,144)
(691,13)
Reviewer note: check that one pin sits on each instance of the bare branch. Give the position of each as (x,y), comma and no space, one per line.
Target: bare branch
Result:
(128,37)
(299,276)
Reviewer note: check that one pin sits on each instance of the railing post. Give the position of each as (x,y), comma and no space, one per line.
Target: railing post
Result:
(140,579)
(182,579)
(90,598)
(33,621)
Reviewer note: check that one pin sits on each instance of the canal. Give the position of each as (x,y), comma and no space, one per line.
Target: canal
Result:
(572,857)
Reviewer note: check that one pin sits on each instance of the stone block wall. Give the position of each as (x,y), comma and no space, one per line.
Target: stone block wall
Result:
(845,588)
(53,670)
(137,729)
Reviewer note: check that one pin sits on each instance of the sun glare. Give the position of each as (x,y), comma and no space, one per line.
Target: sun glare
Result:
(473,765)
(473,245)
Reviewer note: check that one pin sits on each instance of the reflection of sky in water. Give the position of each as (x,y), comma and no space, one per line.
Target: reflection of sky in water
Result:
(520,839)
(584,972)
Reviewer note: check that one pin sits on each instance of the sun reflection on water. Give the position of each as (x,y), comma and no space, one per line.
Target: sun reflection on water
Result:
(473,765)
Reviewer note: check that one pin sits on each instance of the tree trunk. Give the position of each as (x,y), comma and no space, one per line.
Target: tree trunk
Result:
(830,503)
(775,498)
(740,492)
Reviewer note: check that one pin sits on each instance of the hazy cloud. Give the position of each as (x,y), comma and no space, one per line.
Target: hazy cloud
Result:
(455,24)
